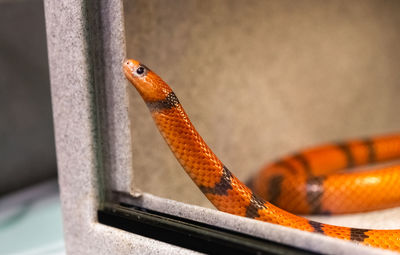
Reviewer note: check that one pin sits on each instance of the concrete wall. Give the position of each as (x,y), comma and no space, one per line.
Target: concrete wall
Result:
(260,79)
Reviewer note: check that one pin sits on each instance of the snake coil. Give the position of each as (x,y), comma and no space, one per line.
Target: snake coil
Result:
(315,167)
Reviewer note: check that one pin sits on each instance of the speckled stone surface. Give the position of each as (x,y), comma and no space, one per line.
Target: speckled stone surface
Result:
(70,28)
(116,126)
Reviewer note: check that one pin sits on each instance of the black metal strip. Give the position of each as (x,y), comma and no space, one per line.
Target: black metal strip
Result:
(189,234)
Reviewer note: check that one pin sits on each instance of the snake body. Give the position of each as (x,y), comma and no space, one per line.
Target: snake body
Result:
(308,182)
(229,194)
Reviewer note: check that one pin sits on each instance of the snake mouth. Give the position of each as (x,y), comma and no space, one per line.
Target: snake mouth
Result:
(129,67)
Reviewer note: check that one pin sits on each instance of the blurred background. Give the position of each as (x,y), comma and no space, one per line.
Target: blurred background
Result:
(30,215)
(261,79)
(26,129)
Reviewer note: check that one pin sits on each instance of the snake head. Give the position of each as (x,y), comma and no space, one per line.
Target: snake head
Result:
(149,85)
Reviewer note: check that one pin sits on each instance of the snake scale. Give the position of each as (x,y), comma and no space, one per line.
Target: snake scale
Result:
(315,167)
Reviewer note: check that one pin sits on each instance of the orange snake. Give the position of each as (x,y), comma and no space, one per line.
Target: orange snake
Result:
(315,167)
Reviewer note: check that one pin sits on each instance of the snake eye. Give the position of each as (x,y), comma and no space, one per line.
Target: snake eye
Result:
(141,70)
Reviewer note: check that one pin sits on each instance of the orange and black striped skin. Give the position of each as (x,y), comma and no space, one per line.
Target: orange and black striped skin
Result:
(319,180)
(218,184)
